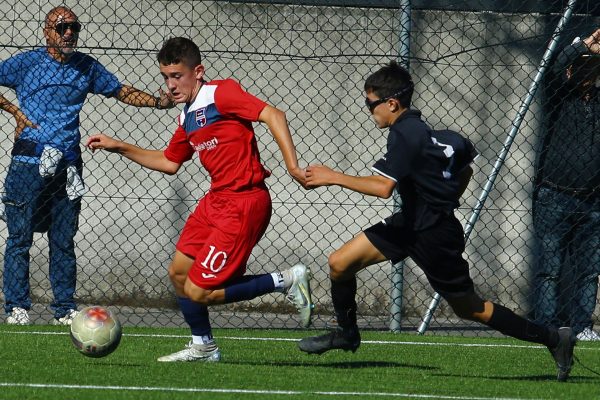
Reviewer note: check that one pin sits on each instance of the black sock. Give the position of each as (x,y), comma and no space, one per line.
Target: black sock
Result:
(343,295)
(507,322)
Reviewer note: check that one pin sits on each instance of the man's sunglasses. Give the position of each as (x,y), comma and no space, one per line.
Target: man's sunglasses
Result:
(62,27)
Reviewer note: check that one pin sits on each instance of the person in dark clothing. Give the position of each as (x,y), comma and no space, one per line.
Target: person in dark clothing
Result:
(566,212)
(430,170)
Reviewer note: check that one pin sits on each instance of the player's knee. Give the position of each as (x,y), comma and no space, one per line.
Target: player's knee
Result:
(197,296)
(203,296)
(176,276)
(468,309)
(337,266)
(463,312)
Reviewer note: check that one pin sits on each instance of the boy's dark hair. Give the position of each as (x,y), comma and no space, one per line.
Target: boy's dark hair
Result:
(179,50)
(391,81)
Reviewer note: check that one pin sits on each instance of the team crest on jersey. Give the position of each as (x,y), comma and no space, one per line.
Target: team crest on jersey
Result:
(201,117)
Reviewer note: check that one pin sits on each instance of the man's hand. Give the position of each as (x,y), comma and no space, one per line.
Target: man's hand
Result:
(103,142)
(319,175)
(593,42)
(22,123)
(299,175)
(165,101)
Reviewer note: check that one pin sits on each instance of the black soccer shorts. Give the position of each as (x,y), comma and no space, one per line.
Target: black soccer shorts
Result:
(437,250)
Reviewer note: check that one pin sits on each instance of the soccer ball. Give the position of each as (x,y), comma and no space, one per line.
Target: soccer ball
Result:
(95,331)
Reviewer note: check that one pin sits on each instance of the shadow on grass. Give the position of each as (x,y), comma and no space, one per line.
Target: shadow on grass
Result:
(341,364)
(533,378)
(111,364)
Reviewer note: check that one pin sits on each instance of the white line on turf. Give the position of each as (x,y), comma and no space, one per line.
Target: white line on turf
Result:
(276,339)
(248,391)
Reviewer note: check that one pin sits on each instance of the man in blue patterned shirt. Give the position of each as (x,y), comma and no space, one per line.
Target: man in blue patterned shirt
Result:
(43,185)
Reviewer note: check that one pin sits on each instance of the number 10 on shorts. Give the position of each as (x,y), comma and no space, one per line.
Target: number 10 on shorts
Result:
(214,261)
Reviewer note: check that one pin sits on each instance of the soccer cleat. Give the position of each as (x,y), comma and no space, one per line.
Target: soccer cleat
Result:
(67,319)
(588,335)
(347,340)
(195,352)
(563,353)
(18,316)
(299,293)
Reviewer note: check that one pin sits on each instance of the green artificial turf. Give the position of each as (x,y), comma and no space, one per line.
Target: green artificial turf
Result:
(39,362)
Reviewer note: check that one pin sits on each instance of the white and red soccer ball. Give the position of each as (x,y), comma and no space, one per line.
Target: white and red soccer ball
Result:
(96,331)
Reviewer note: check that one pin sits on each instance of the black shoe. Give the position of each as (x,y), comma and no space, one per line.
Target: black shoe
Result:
(563,353)
(347,340)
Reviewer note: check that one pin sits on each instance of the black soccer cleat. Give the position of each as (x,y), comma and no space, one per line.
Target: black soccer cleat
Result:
(347,340)
(563,353)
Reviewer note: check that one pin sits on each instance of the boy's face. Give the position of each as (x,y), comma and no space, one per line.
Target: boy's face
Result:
(183,81)
(384,111)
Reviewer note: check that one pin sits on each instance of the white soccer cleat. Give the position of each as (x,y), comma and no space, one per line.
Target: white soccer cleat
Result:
(299,293)
(67,319)
(18,316)
(195,352)
(588,335)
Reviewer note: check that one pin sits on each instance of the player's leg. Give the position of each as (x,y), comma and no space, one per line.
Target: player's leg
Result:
(64,224)
(344,263)
(199,247)
(202,347)
(217,276)
(438,252)
(20,206)
(294,282)
(474,308)
(552,223)
(585,258)
(560,342)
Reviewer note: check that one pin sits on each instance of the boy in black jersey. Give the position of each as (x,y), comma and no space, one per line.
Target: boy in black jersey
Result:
(430,170)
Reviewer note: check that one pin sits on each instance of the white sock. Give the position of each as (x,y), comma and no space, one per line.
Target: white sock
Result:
(204,339)
(282,280)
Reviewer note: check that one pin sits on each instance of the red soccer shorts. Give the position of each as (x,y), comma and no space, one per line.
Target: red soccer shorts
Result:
(221,233)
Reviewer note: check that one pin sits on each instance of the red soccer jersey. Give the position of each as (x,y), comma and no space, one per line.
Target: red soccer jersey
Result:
(218,125)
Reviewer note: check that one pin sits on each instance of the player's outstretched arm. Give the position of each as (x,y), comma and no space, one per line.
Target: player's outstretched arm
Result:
(135,97)
(278,125)
(374,185)
(153,159)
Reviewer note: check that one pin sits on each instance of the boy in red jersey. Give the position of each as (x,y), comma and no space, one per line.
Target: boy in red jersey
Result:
(211,254)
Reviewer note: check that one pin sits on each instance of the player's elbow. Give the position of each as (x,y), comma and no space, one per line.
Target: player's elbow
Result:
(272,116)
(386,193)
(170,171)
(386,188)
(169,167)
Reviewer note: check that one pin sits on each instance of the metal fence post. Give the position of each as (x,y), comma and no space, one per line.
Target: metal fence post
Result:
(398,268)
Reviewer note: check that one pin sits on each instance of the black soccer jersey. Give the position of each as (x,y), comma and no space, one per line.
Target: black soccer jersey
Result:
(425,165)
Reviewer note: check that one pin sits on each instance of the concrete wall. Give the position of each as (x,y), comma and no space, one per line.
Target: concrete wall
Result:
(472,71)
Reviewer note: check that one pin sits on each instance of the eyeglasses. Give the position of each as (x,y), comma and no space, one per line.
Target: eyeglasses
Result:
(62,27)
(372,104)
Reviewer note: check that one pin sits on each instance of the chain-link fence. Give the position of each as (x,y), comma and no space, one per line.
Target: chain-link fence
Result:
(473,63)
